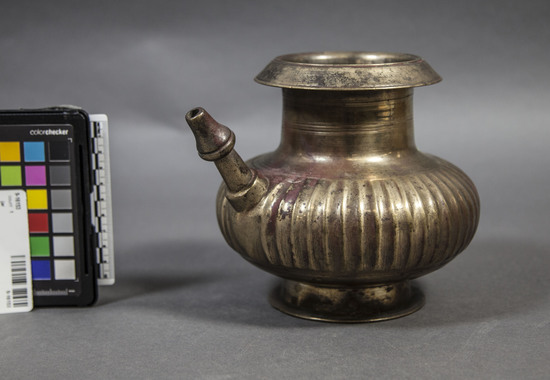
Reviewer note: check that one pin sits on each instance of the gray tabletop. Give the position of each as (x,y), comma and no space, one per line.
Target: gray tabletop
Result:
(185,305)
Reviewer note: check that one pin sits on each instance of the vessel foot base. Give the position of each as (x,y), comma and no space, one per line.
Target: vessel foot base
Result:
(347,304)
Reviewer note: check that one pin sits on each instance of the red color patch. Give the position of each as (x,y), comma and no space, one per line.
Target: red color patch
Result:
(38,223)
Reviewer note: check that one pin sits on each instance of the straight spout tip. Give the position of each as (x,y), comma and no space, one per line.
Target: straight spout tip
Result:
(214,140)
(195,112)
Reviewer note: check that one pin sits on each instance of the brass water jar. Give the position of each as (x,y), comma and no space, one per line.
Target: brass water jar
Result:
(346,210)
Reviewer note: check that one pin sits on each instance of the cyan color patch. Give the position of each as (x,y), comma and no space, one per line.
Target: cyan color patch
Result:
(34,151)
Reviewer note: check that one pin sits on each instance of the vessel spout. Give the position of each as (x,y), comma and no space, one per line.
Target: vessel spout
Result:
(215,142)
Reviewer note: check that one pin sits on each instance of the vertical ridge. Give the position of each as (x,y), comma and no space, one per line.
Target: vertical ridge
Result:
(318,227)
(274,225)
(386,246)
(419,223)
(465,207)
(361,210)
(400,227)
(372,231)
(313,226)
(473,197)
(432,221)
(447,196)
(351,226)
(444,227)
(459,227)
(283,230)
(298,223)
(328,225)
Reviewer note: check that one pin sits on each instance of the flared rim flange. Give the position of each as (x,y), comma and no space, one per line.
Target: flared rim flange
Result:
(350,70)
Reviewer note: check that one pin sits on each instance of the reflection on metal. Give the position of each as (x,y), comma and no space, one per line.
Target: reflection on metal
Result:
(346,209)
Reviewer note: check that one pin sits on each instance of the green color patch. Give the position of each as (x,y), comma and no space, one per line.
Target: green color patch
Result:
(10,176)
(40,246)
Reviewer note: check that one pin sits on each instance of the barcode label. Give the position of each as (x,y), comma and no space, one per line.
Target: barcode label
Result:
(20,293)
(15,262)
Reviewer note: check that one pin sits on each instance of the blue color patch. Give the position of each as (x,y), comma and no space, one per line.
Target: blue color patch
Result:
(34,151)
(41,270)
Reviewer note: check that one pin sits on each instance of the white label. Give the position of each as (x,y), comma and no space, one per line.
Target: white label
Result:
(15,262)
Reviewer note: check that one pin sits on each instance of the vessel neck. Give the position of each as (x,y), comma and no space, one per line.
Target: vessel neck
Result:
(347,123)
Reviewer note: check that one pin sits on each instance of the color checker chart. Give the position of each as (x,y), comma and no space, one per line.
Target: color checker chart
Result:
(50,203)
(48,161)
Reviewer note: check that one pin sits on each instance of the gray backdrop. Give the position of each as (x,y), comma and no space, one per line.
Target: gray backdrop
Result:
(185,305)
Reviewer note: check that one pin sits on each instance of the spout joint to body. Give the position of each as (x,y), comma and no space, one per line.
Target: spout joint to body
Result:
(215,142)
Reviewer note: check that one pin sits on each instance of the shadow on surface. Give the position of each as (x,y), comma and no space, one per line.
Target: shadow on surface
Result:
(151,269)
(491,279)
(201,280)
(211,282)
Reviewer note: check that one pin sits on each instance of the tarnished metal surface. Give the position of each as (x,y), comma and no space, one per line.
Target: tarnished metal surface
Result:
(346,208)
(352,305)
(215,142)
(348,71)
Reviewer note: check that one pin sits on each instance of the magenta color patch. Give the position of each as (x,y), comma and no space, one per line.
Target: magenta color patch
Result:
(35,175)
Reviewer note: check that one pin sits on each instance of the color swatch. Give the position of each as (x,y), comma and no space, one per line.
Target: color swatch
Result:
(28,164)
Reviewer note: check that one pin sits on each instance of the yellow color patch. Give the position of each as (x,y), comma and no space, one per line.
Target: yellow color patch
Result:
(9,152)
(37,199)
